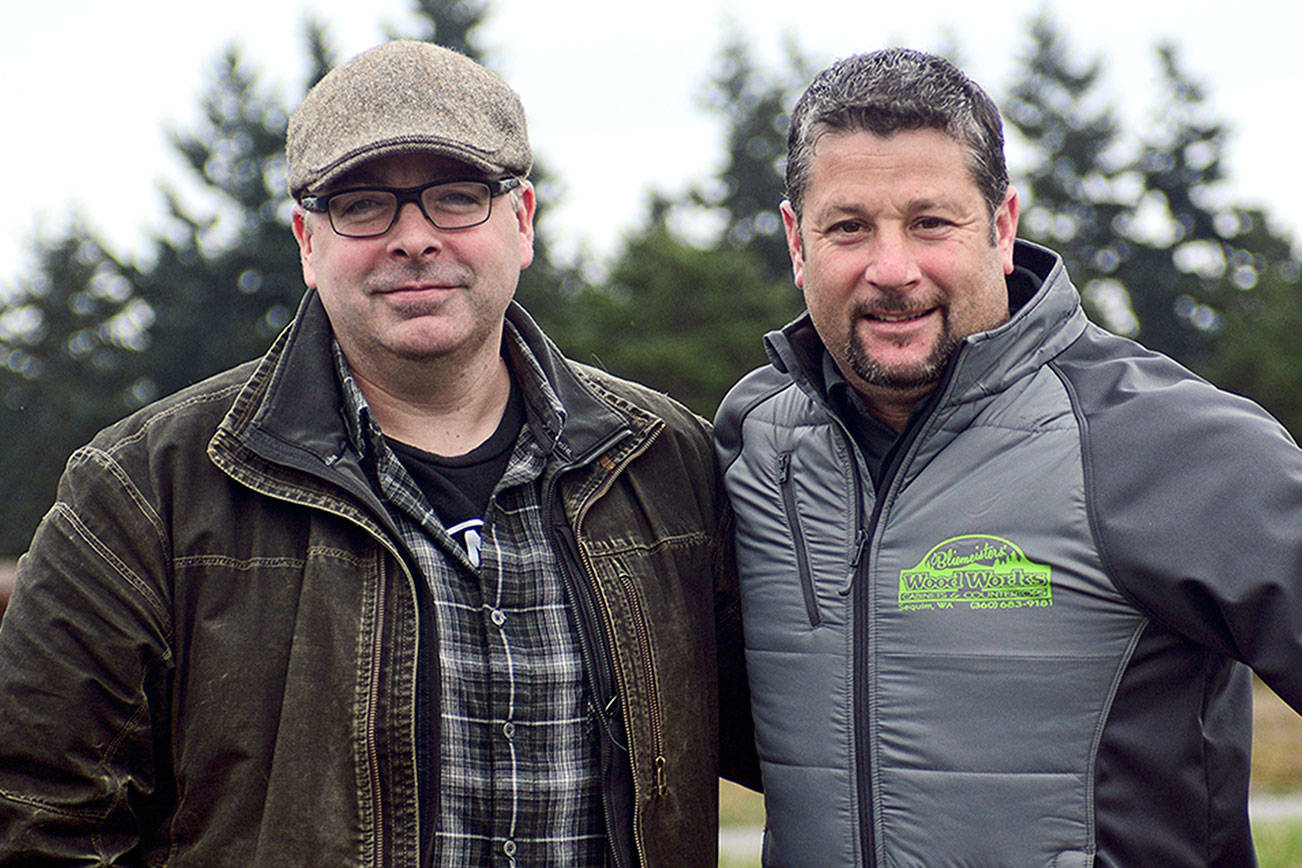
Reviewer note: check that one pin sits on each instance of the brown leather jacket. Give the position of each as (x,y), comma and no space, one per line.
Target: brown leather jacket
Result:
(211,657)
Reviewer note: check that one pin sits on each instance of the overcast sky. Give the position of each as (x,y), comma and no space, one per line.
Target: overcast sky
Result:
(612,90)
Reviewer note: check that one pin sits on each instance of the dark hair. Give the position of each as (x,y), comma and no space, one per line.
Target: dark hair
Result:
(897,89)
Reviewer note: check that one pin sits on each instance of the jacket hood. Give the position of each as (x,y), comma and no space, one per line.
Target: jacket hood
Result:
(1040,328)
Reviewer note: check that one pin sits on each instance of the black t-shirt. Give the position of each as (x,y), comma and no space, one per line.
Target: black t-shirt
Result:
(458,488)
(874,437)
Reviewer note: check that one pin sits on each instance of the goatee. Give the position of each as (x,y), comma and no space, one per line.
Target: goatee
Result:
(909,377)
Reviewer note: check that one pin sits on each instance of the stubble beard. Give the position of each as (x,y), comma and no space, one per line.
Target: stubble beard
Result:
(447,318)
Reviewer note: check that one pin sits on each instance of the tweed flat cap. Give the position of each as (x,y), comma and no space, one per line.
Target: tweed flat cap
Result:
(404,97)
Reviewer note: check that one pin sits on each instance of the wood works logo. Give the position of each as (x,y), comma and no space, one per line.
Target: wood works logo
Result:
(976,571)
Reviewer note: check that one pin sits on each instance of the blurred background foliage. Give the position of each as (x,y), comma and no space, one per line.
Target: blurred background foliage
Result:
(1141,216)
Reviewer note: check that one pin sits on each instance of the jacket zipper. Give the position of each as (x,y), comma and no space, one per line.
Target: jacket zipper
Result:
(370,726)
(788,487)
(372,713)
(592,659)
(863,632)
(657,724)
(861,636)
(660,763)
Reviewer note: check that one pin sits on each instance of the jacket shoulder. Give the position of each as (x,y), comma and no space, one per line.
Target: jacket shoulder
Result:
(195,411)
(1122,390)
(132,464)
(674,414)
(756,390)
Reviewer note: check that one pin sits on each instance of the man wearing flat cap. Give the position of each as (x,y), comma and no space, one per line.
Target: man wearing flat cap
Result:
(412,588)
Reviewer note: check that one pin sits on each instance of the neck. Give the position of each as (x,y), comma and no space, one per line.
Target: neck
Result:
(892,407)
(447,409)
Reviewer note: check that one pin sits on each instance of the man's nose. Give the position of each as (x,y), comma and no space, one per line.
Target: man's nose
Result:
(413,234)
(893,261)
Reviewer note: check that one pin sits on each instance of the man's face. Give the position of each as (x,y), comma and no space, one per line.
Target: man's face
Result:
(417,292)
(898,258)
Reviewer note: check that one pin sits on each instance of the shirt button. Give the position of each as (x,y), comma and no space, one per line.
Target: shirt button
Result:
(498,617)
(508,729)
(509,848)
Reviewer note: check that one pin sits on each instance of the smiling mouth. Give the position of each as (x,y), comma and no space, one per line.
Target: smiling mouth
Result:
(907,316)
(424,287)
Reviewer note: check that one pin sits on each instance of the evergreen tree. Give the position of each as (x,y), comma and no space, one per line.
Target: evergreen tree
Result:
(1069,187)
(689,319)
(68,338)
(451,23)
(1179,231)
(1255,350)
(682,319)
(1195,256)
(754,100)
(1143,223)
(322,56)
(226,277)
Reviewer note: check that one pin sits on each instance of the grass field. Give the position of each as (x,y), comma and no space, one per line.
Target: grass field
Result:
(1276,770)
(1276,745)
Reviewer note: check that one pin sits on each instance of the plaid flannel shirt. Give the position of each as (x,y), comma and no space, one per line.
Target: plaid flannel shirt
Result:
(520,779)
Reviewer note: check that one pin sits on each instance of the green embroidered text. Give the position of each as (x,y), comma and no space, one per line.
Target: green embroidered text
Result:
(978,571)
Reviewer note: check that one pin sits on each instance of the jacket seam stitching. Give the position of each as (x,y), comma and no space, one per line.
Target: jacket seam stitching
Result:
(218,396)
(678,541)
(744,413)
(254,563)
(108,462)
(118,566)
(1087,482)
(21,799)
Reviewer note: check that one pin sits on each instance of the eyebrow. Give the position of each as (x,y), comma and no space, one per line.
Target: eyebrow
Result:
(922,203)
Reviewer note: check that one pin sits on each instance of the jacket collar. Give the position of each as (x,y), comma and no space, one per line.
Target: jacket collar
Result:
(1041,327)
(289,413)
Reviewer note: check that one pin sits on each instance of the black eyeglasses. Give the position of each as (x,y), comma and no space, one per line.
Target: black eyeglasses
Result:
(367,212)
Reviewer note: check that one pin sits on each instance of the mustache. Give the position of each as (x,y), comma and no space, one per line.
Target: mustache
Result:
(891,303)
(436,274)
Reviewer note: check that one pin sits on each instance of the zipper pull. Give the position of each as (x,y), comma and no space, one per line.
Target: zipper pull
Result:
(860,548)
(784,468)
(662,784)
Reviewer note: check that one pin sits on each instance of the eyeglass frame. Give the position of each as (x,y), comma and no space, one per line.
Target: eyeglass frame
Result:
(496,187)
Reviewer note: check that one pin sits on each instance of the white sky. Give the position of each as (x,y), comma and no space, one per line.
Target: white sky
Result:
(612,91)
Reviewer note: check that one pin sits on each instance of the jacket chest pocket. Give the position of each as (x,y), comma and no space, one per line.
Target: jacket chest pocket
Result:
(790,509)
(798,538)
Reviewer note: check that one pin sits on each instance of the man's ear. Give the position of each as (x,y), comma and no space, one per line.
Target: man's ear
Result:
(524,203)
(1006,227)
(303,235)
(794,245)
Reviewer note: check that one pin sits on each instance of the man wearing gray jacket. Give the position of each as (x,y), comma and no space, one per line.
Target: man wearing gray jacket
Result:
(1001,570)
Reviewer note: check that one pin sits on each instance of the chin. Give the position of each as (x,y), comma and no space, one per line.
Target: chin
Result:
(423,352)
(902,371)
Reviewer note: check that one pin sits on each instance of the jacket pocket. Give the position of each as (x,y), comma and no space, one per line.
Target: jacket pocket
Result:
(788,487)
(652,685)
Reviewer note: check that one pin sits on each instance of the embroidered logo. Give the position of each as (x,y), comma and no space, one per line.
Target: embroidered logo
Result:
(979,571)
